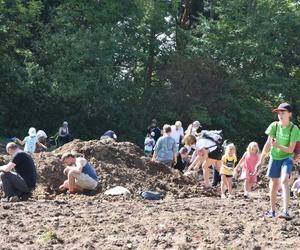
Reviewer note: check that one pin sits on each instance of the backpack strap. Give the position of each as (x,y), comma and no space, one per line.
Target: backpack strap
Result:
(276,129)
(291,130)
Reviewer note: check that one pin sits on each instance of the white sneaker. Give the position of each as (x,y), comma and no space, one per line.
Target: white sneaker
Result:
(223,196)
(230,196)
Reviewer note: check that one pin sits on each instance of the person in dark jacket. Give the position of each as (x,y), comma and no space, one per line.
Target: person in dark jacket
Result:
(182,159)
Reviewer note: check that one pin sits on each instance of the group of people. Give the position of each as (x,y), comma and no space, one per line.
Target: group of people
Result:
(36,141)
(187,151)
(282,145)
(19,176)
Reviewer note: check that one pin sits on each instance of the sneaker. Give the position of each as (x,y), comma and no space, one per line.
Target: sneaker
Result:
(25,196)
(14,199)
(230,196)
(285,215)
(223,196)
(270,214)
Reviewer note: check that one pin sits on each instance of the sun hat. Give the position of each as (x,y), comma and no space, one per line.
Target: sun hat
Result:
(32,132)
(178,124)
(283,107)
(197,124)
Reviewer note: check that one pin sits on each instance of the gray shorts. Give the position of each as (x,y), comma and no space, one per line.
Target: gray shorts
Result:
(86,182)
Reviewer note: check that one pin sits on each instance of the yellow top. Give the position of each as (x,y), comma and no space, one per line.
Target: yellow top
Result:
(228,164)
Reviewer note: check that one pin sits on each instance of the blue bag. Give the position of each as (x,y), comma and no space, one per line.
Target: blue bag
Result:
(149,195)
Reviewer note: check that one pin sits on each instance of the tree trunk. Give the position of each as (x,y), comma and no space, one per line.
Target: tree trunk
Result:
(186,14)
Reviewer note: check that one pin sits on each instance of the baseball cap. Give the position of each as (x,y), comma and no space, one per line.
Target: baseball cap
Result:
(283,107)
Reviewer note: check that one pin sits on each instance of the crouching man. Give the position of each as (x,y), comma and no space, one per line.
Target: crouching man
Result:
(81,174)
(17,184)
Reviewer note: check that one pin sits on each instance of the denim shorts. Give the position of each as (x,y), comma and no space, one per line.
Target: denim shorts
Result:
(276,167)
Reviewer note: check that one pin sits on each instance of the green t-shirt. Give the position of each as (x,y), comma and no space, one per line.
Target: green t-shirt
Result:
(284,136)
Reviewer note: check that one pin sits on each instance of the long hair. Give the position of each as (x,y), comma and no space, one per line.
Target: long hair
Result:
(251,145)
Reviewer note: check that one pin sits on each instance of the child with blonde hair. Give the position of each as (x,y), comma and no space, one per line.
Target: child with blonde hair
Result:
(248,163)
(229,160)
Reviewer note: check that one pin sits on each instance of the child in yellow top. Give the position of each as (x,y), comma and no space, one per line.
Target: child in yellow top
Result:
(228,165)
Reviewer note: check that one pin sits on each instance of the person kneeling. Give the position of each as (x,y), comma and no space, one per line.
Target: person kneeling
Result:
(81,174)
(19,184)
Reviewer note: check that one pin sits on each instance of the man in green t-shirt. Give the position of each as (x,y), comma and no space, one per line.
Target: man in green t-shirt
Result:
(282,138)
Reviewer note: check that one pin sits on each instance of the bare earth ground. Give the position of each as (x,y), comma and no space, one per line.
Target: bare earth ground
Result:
(187,218)
(193,223)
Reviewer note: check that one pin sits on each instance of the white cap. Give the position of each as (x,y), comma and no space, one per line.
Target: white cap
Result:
(178,124)
(65,123)
(32,132)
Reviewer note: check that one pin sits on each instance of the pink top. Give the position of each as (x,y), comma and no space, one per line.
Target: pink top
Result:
(250,161)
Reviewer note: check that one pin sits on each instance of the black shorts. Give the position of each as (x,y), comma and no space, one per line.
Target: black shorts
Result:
(227,175)
(216,154)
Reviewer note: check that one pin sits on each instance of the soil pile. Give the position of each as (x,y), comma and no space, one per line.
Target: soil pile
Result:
(117,164)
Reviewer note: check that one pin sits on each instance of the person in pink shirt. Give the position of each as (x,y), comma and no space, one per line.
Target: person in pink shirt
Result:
(249,161)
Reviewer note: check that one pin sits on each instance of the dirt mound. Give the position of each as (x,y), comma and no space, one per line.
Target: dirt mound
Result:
(118,164)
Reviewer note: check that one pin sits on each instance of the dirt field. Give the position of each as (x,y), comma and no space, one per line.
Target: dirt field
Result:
(187,218)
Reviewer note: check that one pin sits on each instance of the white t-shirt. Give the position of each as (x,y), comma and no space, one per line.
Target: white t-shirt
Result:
(176,134)
(205,143)
(30,144)
(149,144)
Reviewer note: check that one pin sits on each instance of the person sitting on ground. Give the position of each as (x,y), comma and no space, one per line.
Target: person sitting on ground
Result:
(296,188)
(149,144)
(19,184)
(165,150)
(109,134)
(154,128)
(228,166)
(81,174)
(177,133)
(193,128)
(31,142)
(64,135)
(248,163)
(182,159)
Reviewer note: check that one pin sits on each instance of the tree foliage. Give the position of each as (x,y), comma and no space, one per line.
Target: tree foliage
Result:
(117,64)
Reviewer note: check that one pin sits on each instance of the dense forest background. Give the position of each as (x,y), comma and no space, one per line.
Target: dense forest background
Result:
(116,64)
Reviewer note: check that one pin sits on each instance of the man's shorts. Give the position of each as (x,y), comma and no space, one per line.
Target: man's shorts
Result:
(276,167)
(86,182)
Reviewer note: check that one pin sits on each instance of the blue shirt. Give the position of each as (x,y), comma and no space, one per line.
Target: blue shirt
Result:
(165,148)
(90,171)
